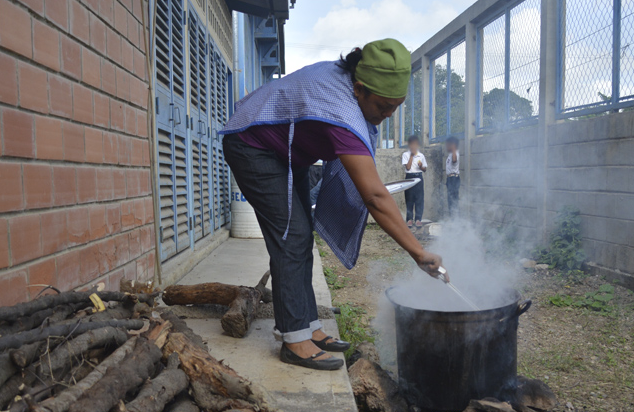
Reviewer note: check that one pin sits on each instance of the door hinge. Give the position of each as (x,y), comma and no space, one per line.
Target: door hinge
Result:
(191,223)
(157,105)
(161,235)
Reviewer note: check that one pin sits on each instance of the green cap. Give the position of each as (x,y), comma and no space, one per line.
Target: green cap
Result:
(385,68)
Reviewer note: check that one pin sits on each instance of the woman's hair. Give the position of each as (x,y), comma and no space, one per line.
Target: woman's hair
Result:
(349,63)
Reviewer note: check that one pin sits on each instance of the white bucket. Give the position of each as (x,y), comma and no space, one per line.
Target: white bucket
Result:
(244,224)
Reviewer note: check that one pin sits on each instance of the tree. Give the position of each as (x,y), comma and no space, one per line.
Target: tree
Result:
(493,108)
(456,96)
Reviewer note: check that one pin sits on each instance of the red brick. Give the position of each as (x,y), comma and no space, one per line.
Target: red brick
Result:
(113,45)
(18,133)
(13,286)
(145,148)
(120,18)
(43,273)
(64,185)
(15,28)
(151,264)
(127,4)
(146,240)
(94,145)
(136,154)
(133,31)
(86,184)
(135,243)
(91,68)
(119,183)
(55,232)
(89,263)
(132,177)
(35,5)
(137,10)
(149,211)
(125,147)
(4,243)
(114,279)
(49,138)
(82,104)
(105,184)
(68,270)
(79,22)
(123,84)
(107,256)
(106,10)
(33,87)
(25,238)
(141,123)
(38,185)
(139,212)
(129,270)
(139,93)
(46,45)
(9,83)
(73,142)
(97,34)
(57,12)
(122,248)
(113,219)
(130,120)
(110,148)
(142,269)
(127,215)
(144,182)
(102,109)
(11,195)
(78,221)
(139,64)
(92,5)
(61,96)
(71,57)
(98,226)
(108,77)
(117,116)
(127,55)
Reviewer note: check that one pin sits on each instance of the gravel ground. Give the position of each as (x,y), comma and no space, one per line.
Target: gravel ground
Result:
(586,357)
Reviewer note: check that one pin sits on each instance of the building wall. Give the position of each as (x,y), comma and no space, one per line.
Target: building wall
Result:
(76,205)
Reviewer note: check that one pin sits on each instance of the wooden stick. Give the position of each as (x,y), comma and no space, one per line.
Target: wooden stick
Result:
(48,301)
(19,339)
(63,401)
(267,294)
(237,321)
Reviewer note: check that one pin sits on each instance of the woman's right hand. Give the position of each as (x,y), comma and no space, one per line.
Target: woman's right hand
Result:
(430,262)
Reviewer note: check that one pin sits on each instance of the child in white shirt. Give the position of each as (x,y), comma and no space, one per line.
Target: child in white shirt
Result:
(415,165)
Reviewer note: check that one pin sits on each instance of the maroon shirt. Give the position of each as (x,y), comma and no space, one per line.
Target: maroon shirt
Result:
(313,140)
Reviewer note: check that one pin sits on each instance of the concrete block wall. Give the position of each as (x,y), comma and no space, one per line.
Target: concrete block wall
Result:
(590,165)
(502,181)
(75,203)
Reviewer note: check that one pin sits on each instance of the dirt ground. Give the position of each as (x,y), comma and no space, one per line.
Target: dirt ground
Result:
(585,356)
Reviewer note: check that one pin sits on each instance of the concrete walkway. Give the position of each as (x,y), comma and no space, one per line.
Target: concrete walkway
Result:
(256,356)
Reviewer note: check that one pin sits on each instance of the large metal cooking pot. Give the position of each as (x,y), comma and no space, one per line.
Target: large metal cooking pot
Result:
(446,359)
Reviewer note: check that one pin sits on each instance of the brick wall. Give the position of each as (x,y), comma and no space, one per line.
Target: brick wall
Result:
(75,202)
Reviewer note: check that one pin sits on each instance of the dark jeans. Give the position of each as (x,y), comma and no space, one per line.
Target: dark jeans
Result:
(453,194)
(263,179)
(415,198)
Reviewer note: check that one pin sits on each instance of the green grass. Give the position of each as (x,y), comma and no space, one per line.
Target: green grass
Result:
(333,280)
(353,326)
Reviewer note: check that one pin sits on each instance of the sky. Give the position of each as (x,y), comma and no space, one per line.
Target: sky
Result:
(322,29)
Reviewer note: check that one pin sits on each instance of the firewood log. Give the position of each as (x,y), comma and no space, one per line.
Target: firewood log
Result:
(156,393)
(130,373)
(63,401)
(213,383)
(19,339)
(11,313)
(179,325)
(267,294)
(182,403)
(242,302)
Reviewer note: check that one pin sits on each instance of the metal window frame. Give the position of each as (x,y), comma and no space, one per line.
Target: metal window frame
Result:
(616,100)
(432,93)
(506,12)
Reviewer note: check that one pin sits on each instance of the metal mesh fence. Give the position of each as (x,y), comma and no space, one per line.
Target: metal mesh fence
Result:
(587,29)
(411,110)
(626,89)
(457,94)
(439,97)
(524,60)
(492,66)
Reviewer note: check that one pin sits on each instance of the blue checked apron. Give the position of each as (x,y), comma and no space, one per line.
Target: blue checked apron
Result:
(322,92)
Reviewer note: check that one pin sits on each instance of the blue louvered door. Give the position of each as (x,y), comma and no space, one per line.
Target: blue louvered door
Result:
(171,127)
(199,128)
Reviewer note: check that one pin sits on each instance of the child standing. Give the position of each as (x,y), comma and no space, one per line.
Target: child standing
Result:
(452,168)
(415,164)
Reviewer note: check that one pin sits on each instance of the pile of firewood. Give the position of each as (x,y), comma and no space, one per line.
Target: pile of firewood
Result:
(112,351)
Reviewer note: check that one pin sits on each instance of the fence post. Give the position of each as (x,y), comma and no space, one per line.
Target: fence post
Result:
(470,110)
(547,102)
(425,104)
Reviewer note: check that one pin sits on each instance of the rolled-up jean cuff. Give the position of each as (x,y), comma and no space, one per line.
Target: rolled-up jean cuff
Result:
(298,335)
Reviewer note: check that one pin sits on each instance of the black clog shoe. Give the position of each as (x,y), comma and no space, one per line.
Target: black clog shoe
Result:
(336,346)
(329,364)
